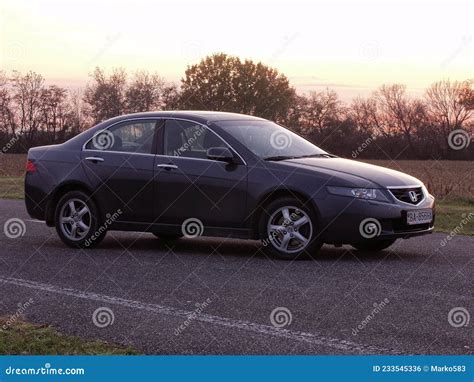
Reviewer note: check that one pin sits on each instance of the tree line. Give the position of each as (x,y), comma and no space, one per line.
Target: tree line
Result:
(387,124)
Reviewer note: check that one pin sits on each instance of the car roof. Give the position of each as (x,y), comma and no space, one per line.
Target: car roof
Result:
(198,115)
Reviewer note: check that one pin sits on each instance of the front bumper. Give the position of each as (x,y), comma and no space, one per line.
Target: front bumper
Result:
(341,218)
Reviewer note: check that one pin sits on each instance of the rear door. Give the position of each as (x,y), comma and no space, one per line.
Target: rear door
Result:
(119,162)
(189,185)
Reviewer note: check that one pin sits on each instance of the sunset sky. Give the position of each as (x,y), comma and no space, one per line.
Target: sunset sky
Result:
(352,47)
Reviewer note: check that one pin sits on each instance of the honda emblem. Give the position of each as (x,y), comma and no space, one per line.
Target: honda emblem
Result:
(413,196)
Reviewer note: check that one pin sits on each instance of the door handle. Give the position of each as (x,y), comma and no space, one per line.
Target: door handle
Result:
(167,166)
(95,159)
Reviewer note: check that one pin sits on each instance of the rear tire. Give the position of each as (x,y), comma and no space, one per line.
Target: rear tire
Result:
(376,245)
(77,220)
(289,229)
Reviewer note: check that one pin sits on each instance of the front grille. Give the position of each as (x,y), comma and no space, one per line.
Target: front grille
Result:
(413,195)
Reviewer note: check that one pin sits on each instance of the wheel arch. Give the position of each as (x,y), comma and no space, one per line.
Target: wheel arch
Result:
(61,190)
(279,193)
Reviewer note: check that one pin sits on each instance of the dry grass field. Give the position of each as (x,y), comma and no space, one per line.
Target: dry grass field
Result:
(444,179)
(12,165)
(452,182)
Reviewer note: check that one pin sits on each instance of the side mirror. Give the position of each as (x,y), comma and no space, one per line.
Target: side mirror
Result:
(222,154)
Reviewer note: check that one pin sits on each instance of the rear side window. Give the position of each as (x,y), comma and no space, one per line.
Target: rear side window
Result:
(129,137)
(189,139)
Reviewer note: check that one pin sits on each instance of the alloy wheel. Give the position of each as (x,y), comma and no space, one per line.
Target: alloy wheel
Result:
(75,219)
(289,229)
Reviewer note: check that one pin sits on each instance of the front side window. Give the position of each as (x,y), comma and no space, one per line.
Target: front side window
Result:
(269,140)
(130,137)
(189,139)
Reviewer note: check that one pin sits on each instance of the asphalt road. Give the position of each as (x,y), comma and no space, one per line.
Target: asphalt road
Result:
(212,296)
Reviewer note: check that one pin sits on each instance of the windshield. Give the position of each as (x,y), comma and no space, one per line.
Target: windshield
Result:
(270,141)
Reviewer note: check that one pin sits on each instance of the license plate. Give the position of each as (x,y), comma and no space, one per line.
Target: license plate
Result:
(419,217)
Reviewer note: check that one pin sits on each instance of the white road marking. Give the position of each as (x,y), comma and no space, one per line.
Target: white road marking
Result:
(312,338)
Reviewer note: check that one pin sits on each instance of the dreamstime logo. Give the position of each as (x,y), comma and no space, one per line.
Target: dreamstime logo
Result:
(192,227)
(22,307)
(370,228)
(109,41)
(362,147)
(14,228)
(103,140)
(465,42)
(377,308)
(281,317)
(459,139)
(192,50)
(280,230)
(193,316)
(466,218)
(10,144)
(370,50)
(14,51)
(287,40)
(45,370)
(188,145)
(280,140)
(458,317)
(103,317)
(110,219)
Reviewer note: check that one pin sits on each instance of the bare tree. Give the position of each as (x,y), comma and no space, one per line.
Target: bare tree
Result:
(171,98)
(400,113)
(144,93)
(448,109)
(363,111)
(7,115)
(106,95)
(446,105)
(80,114)
(467,94)
(320,110)
(384,123)
(56,111)
(27,95)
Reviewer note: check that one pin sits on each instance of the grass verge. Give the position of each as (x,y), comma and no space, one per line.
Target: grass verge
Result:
(455,215)
(23,338)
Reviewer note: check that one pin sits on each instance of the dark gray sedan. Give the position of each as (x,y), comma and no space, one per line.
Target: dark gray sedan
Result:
(178,174)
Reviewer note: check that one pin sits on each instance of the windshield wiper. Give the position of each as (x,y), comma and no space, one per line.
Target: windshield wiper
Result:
(284,157)
(279,157)
(324,155)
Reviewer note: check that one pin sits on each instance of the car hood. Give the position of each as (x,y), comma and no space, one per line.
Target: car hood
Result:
(381,176)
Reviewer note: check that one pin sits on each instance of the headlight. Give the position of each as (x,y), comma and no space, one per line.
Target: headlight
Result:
(360,193)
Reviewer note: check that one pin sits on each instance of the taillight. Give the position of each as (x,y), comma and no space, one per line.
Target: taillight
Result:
(30,166)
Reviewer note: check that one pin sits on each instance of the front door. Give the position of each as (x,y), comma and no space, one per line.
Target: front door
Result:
(191,186)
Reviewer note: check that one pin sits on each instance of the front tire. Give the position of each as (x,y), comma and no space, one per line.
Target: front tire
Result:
(288,229)
(375,245)
(77,220)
